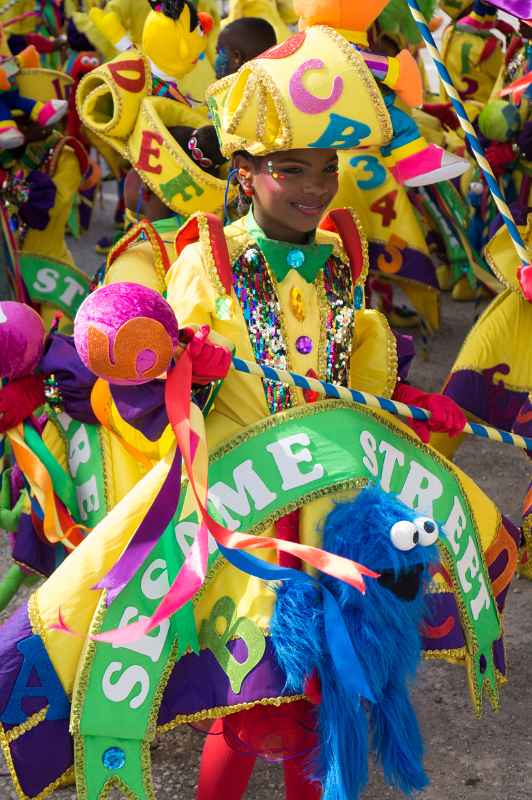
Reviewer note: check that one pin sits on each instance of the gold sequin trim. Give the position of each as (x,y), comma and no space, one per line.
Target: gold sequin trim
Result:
(107,464)
(36,622)
(82,678)
(115,782)
(63,780)
(245,100)
(208,256)
(323,308)
(223,711)
(15,733)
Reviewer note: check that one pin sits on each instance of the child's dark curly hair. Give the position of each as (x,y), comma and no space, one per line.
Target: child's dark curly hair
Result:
(205,148)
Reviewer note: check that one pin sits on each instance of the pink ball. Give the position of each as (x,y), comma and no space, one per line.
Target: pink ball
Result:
(126,333)
(21,339)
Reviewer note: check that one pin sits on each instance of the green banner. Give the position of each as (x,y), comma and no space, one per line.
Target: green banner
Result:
(282,462)
(61,285)
(86,468)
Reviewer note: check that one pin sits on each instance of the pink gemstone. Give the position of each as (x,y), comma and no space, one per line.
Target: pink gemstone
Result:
(304,345)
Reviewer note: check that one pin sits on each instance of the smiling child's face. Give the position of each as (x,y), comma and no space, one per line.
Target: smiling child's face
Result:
(291,190)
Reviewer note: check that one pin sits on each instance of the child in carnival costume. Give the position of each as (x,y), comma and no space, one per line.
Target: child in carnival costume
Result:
(11,99)
(412,160)
(473,54)
(282,291)
(290,187)
(279,14)
(119,452)
(240,41)
(491,378)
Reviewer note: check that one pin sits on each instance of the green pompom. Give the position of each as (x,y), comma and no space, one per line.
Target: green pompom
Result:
(499,121)
(396,18)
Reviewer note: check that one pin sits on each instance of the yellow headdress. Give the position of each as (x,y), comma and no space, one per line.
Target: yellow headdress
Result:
(115,104)
(314,90)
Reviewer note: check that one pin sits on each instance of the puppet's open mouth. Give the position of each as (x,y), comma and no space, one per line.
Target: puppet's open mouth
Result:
(406,585)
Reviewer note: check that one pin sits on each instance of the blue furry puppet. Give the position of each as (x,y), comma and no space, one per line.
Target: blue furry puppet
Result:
(377,530)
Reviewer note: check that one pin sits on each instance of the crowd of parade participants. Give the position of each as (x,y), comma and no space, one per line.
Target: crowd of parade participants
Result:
(195,536)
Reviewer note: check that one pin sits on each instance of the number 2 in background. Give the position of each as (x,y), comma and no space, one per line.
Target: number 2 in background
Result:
(385,206)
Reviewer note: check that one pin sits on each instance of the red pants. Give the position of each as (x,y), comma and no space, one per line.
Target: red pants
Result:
(225,772)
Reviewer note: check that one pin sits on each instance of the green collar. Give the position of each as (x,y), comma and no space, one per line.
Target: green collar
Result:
(307,259)
(168,224)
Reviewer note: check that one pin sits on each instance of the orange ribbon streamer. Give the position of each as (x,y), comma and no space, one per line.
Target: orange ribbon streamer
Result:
(58,525)
(193,572)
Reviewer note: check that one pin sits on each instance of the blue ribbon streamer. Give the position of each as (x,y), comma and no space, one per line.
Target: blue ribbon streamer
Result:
(346,662)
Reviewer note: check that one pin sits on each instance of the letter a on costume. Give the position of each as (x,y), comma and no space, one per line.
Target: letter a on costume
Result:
(342,132)
(37,680)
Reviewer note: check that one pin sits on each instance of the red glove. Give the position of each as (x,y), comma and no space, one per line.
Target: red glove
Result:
(447,416)
(525,279)
(312,688)
(210,361)
(19,399)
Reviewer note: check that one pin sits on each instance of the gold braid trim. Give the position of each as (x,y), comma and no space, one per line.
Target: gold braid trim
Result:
(66,778)
(31,722)
(108,485)
(224,711)
(36,622)
(115,782)
(208,255)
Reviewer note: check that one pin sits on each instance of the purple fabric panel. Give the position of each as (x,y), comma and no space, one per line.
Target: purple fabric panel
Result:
(143,407)
(416,266)
(522,9)
(512,529)
(441,607)
(523,421)
(491,402)
(30,551)
(74,379)
(498,656)
(198,682)
(406,350)
(35,212)
(42,755)
(17,627)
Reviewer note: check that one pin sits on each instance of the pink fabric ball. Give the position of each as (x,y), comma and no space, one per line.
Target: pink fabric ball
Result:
(21,339)
(126,333)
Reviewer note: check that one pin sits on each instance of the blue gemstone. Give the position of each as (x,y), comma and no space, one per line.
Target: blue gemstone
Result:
(359,296)
(114,758)
(295,259)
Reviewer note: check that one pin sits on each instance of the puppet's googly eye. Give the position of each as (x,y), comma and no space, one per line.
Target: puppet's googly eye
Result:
(404,535)
(428,531)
